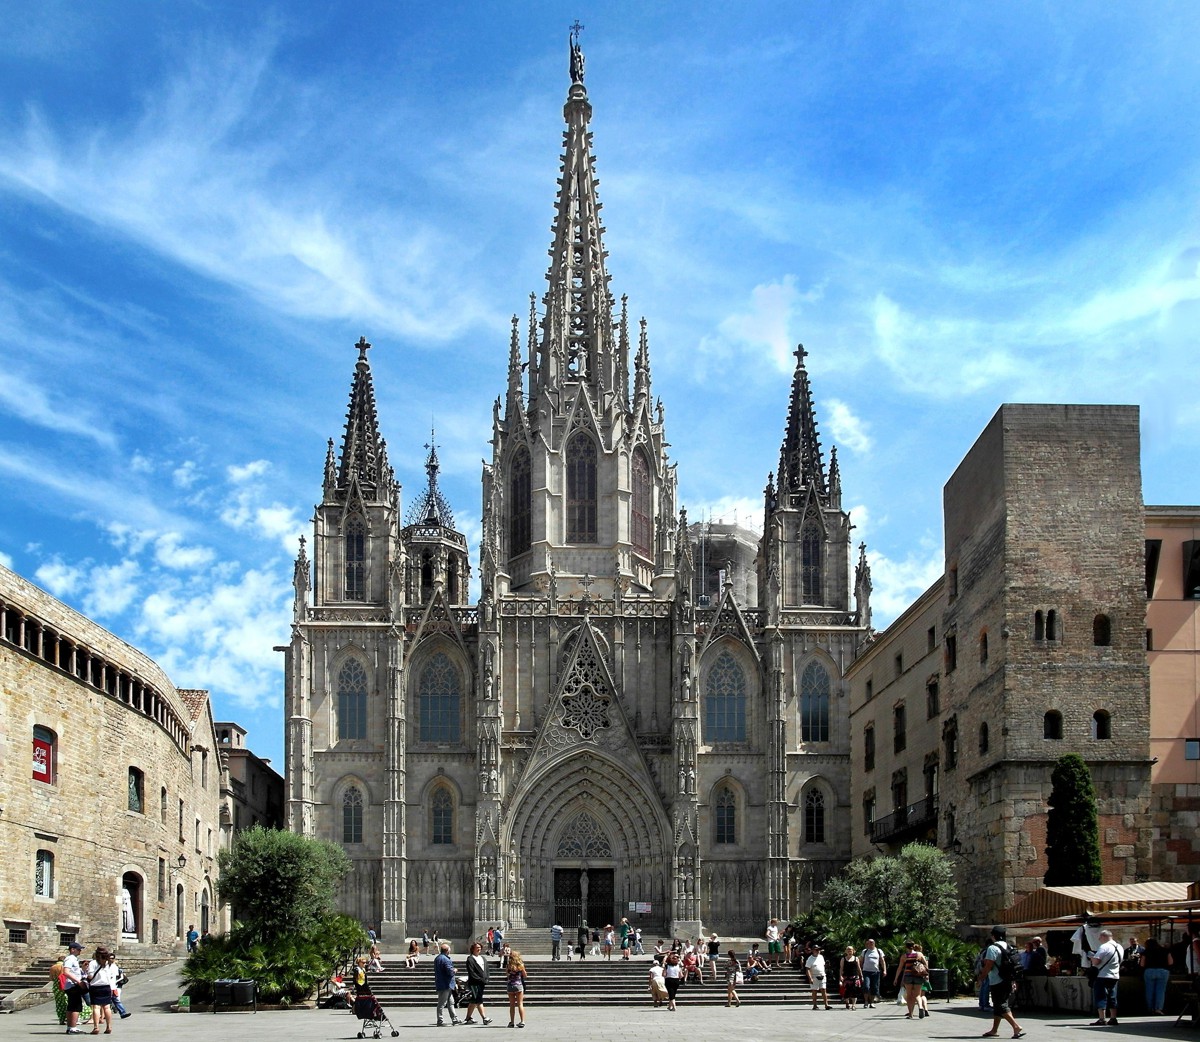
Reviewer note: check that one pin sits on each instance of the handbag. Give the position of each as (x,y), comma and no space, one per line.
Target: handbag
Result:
(738,978)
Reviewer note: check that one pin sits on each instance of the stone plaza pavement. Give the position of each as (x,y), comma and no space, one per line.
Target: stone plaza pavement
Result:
(150,994)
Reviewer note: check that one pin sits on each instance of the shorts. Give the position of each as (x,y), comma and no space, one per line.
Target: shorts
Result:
(74,1000)
(818,980)
(625,945)
(999,995)
(476,993)
(516,987)
(774,947)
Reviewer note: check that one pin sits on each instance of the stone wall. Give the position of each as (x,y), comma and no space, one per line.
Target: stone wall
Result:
(122,713)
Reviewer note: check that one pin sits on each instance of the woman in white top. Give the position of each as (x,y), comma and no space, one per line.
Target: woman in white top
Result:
(102,979)
(672,975)
(658,987)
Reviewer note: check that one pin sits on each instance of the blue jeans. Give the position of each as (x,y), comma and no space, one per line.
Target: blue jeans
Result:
(1156,988)
(984,1004)
(871,985)
(1106,993)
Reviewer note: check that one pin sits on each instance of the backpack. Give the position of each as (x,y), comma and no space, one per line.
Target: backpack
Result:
(1009,965)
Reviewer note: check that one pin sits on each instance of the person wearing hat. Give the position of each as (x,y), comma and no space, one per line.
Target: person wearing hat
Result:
(73,973)
(102,978)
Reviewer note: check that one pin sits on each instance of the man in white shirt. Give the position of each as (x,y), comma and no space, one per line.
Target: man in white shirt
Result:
(814,965)
(874,967)
(74,989)
(1107,960)
(774,948)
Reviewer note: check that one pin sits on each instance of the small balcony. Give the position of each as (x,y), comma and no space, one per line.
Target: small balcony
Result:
(906,821)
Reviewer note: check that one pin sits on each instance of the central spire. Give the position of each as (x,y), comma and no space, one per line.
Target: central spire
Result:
(577,340)
(800,463)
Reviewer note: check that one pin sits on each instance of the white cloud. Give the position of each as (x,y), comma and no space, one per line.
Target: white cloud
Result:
(60,578)
(30,403)
(269,520)
(896,584)
(141,464)
(110,589)
(239,473)
(170,553)
(847,428)
(186,474)
(6,560)
(765,328)
(729,510)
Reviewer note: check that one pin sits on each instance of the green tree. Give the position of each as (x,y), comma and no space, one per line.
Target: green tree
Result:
(915,890)
(1072,829)
(279,882)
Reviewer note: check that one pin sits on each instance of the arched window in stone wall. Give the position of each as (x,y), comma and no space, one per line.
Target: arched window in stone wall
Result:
(43,874)
(642,507)
(814,815)
(581,489)
(439,698)
(352,700)
(137,791)
(1101,725)
(724,815)
(814,703)
(520,502)
(352,815)
(725,701)
(1052,726)
(356,560)
(441,816)
(811,563)
(45,755)
(1102,631)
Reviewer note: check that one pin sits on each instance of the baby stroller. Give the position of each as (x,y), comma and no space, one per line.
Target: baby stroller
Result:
(368,1010)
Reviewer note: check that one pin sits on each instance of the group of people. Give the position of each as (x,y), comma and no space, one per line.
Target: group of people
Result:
(446,983)
(96,985)
(623,937)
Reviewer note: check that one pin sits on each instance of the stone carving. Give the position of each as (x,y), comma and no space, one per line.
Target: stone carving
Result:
(583,838)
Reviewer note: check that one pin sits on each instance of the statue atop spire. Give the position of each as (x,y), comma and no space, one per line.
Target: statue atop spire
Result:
(576,54)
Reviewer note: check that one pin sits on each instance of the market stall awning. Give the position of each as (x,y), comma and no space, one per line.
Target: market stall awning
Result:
(1066,903)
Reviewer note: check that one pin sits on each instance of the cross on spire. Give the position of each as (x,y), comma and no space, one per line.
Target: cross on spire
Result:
(363,348)
(800,354)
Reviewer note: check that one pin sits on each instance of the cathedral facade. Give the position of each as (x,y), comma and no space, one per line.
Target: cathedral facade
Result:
(590,739)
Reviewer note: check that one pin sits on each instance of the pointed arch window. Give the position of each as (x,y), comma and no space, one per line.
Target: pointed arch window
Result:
(356,560)
(520,500)
(352,815)
(441,817)
(814,704)
(814,816)
(725,701)
(352,700)
(725,816)
(643,529)
(439,695)
(581,489)
(810,563)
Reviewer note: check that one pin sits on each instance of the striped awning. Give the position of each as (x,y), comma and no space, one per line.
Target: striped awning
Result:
(1061,902)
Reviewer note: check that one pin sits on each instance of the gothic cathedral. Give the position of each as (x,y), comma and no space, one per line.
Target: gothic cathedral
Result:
(592,738)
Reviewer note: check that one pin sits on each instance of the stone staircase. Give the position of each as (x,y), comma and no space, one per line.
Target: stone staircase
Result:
(593,982)
(35,975)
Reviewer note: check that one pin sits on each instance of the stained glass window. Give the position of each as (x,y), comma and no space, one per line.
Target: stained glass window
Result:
(725,701)
(352,700)
(520,503)
(581,490)
(439,695)
(814,704)
(441,815)
(725,816)
(643,529)
(352,815)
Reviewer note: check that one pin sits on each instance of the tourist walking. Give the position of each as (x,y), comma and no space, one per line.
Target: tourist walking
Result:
(672,975)
(516,989)
(850,973)
(910,975)
(814,966)
(72,974)
(102,979)
(658,986)
(443,982)
(1107,960)
(999,990)
(556,934)
(583,934)
(714,951)
(733,977)
(874,969)
(477,978)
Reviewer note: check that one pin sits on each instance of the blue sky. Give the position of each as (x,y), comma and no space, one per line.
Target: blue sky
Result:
(203,206)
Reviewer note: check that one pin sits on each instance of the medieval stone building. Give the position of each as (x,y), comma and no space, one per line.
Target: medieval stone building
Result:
(587,739)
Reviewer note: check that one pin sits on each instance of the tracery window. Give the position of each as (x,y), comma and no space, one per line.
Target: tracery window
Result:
(810,564)
(725,701)
(814,816)
(352,700)
(441,817)
(814,704)
(352,815)
(643,530)
(43,874)
(725,816)
(581,489)
(520,502)
(137,791)
(439,694)
(584,838)
(356,560)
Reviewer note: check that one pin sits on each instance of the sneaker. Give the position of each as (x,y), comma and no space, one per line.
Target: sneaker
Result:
(74,1031)
(469,1020)
(1099,1023)
(522,1024)
(487,1020)
(126,1015)
(1112,1022)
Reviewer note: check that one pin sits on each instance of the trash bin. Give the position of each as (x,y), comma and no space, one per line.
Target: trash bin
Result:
(223,993)
(939,982)
(244,992)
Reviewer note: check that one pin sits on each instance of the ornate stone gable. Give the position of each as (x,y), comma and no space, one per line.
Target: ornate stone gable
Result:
(728,621)
(438,618)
